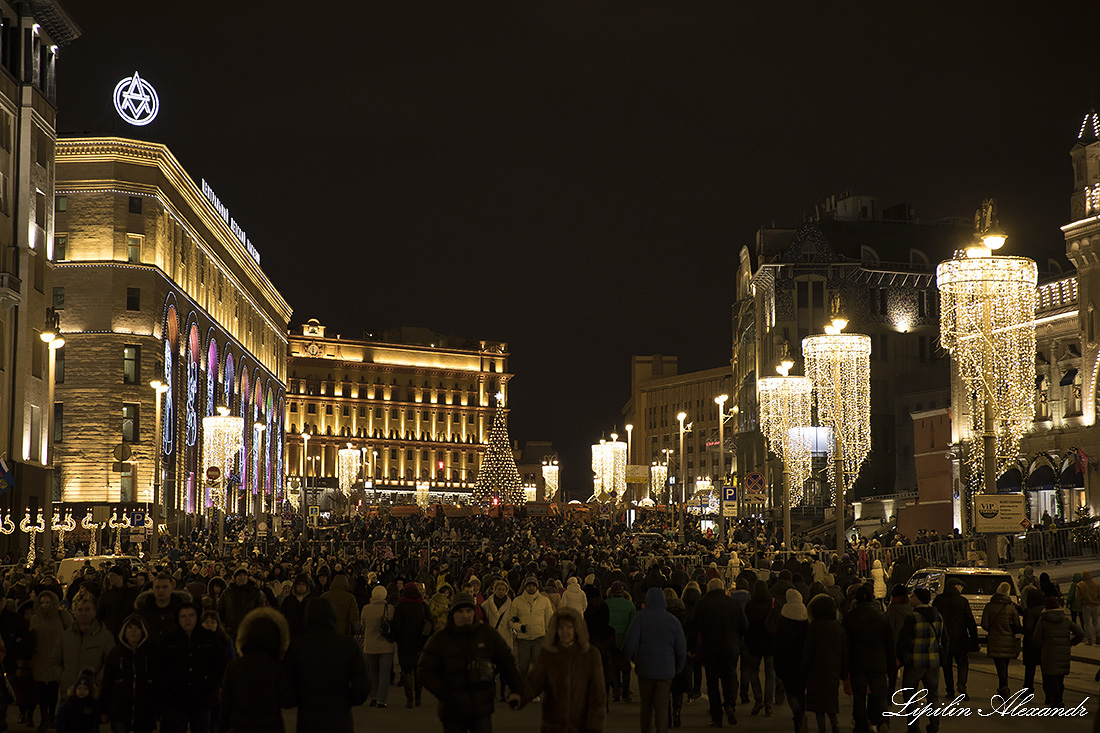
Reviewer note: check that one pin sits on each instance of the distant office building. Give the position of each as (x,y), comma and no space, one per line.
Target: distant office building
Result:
(152,283)
(418,406)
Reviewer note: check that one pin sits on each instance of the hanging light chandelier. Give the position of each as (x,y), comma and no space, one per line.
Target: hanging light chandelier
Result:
(784,404)
(609,469)
(221,442)
(347,468)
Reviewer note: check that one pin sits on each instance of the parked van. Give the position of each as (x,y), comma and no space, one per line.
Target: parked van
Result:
(979,585)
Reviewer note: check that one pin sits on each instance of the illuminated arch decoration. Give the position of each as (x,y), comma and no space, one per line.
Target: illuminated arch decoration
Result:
(280,442)
(269,453)
(171,340)
(193,386)
(211,375)
(228,383)
(258,438)
(246,436)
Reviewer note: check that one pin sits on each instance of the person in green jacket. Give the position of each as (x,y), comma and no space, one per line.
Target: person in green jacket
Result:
(621,611)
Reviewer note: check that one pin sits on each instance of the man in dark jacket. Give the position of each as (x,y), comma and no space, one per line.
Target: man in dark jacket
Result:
(459,664)
(191,662)
(719,622)
(117,601)
(294,605)
(159,608)
(870,655)
(920,646)
(238,599)
(324,673)
(962,635)
(656,642)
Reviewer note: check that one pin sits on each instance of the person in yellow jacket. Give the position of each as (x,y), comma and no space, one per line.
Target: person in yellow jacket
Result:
(531,613)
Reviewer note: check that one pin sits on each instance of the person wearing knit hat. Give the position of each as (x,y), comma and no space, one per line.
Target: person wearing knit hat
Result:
(574,597)
(531,613)
(790,642)
(80,711)
(376,621)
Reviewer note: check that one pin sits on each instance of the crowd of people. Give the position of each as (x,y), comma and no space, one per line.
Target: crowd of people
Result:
(574,617)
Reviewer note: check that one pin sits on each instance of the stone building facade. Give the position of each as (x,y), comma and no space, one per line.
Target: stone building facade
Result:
(155,282)
(30,37)
(417,405)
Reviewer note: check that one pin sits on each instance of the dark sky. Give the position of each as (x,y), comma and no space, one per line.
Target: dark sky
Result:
(577,178)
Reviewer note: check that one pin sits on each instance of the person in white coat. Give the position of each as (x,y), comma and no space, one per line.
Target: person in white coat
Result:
(879,577)
(531,612)
(498,612)
(376,617)
(574,597)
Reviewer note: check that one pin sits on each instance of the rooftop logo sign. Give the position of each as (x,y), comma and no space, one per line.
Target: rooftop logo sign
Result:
(136,101)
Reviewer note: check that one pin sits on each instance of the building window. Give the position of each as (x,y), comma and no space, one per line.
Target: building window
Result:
(133,299)
(60,247)
(129,422)
(60,203)
(59,299)
(131,364)
(135,204)
(328,409)
(345,411)
(58,422)
(59,366)
(294,407)
(127,489)
(133,249)
(393,454)
(311,409)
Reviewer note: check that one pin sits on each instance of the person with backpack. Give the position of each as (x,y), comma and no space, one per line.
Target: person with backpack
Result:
(920,648)
(376,620)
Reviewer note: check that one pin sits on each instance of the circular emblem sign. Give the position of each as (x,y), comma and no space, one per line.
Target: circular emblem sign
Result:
(136,101)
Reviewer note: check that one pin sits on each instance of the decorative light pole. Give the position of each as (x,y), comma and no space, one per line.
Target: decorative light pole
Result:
(88,523)
(839,366)
(347,472)
(32,528)
(221,442)
(629,443)
(6,525)
(550,478)
(784,410)
(259,428)
(51,335)
(61,526)
(118,525)
(987,323)
(609,469)
(720,400)
(680,479)
(658,476)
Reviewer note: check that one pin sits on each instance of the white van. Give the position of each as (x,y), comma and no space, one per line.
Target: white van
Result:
(979,585)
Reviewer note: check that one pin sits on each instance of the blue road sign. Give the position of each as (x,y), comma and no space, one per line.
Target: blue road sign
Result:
(730,493)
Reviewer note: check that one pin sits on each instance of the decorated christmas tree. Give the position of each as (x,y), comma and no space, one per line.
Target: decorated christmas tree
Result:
(498,478)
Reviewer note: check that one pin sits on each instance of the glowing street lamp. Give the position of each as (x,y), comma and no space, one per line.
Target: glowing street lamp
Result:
(784,403)
(683,517)
(839,367)
(987,323)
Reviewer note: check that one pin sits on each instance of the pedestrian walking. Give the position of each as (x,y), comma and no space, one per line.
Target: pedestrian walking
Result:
(921,645)
(759,648)
(47,625)
(249,694)
(412,625)
(879,579)
(790,647)
(1088,595)
(824,661)
(192,662)
(238,600)
(1034,606)
(719,622)
(621,610)
(897,615)
(568,675)
(1055,634)
(1001,621)
(128,697)
(531,612)
(961,637)
(871,654)
(655,641)
(324,673)
(376,620)
(459,665)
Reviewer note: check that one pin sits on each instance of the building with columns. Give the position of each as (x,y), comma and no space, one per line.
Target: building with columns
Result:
(154,281)
(418,407)
(30,37)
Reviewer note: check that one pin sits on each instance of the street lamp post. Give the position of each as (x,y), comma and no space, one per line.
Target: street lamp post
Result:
(159,389)
(720,400)
(987,323)
(303,502)
(51,335)
(629,443)
(680,478)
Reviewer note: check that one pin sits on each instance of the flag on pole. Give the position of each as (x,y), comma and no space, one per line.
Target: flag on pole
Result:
(7,478)
(1080,460)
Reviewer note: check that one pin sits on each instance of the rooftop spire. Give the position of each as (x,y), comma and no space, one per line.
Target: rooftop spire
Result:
(1090,128)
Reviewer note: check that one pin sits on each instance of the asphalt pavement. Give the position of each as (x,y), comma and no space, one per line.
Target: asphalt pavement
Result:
(623,717)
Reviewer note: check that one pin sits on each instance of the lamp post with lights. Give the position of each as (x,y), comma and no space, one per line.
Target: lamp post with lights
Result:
(53,339)
(159,390)
(720,400)
(987,323)
(680,478)
(839,367)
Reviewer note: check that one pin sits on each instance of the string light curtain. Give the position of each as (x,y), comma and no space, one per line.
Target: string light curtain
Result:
(784,404)
(347,468)
(608,469)
(658,475)
(221,442)
(987,323)
(498,478)
(839,368)
(550,479)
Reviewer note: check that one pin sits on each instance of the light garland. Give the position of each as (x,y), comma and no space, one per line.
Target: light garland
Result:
(550,478)
(987,324)
(498,479)
(88,523)
(347,469)
(658,475)
(609,469)
(839,367)
(32,528)
(784,404)
(221,441)
(423,496)
(6,525)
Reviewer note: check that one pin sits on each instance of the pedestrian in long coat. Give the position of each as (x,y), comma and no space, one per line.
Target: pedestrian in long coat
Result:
(409,617)
(1001,620)
(128,698)
(824,661)
(249,698)
(47,625)
(1055,634)
(569,676)
(790,646)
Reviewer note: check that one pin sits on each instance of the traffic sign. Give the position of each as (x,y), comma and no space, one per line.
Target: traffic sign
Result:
(754,483)
(213,473)
(729,494)
(137,520)
(123,452)
(315,511)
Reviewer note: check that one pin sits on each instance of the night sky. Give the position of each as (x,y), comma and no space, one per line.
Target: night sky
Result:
(577,178)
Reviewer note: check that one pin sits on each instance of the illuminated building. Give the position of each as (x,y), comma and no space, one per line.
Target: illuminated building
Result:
(658,394)
(418,405)
(32,33)
(155,281)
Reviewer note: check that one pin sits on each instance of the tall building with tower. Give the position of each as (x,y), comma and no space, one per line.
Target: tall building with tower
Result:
(31,36)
